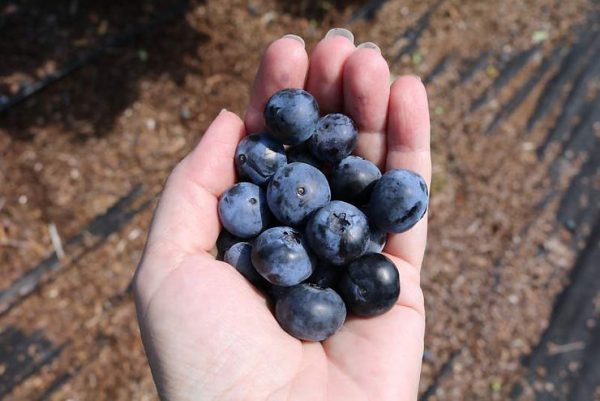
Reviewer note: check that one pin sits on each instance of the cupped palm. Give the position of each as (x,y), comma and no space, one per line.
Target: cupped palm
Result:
(210,335)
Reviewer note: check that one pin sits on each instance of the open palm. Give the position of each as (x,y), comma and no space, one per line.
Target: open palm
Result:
(208,334)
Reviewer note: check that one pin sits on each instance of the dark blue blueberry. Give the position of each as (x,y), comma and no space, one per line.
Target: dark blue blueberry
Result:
(352,180)
(281,256)
(295,191)
(377,239)
(291,116)
(224,242)
(370,285)
(338,232)
(310,313)
(325,275)
(258,157)
(239,256)
(334,138)
(301,153)
(243,210)
(398,201)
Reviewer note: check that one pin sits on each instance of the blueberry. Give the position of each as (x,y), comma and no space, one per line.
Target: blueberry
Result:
(239,256)
(291,116)
(377,239)
(338,232)
(334,138)
(281,256)
(353,178)
(224,242)
(310,313)
(243,210)
(301,153)
(370,285)
(258,157)
(325,275)
(398,201)
(295,191)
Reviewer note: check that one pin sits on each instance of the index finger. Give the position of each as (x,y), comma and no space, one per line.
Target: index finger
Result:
(284,65)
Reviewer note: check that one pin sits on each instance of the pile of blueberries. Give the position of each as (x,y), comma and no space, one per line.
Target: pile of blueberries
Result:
(308,221)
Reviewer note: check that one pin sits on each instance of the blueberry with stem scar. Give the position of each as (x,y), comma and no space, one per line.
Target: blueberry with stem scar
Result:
(338,232)
(243,210)
(295,191)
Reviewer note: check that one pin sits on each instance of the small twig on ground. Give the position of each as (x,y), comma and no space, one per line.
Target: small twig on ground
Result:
(56,241)
(555,349)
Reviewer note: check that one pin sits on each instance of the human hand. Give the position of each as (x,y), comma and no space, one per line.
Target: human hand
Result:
(208,334)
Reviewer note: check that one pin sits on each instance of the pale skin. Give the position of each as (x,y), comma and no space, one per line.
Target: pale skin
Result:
(208,334)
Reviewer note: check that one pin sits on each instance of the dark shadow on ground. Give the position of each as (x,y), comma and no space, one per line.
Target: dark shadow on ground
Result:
(128,41)
(317,10)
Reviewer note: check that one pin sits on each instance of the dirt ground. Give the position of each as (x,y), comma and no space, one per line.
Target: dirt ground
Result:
(496,259)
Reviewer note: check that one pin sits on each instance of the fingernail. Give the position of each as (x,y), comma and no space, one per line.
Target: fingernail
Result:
(222,111)
(295,37)
(369,45)
(340,32)
(416,76)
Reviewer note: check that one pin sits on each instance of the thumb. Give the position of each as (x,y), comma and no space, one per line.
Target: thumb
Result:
(186,219)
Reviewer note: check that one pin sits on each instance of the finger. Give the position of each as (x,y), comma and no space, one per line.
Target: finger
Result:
(187,212)
(366,95)
(284,65)
(186,219)
(327,69)
(408,148)
(394,340)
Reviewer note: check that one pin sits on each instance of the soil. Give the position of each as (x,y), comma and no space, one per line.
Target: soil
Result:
(496,259)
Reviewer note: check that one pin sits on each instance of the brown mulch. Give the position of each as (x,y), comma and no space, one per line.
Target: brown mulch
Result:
(67,154)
